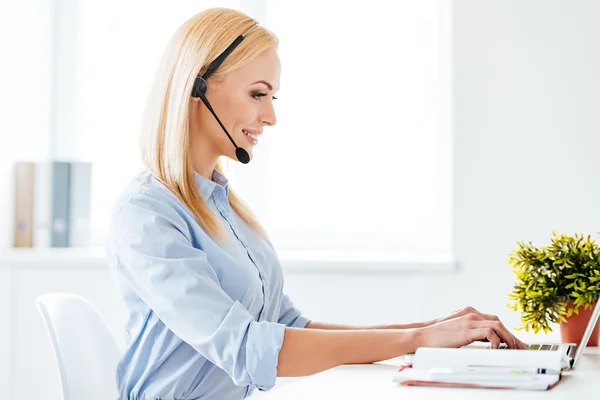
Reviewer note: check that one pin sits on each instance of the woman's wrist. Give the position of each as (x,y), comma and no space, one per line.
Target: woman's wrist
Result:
(407,340)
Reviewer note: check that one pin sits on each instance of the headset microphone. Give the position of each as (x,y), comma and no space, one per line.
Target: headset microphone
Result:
(200,87)
(241,154)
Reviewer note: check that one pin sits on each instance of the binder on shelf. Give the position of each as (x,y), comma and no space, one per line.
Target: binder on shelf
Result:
(51,210)
(42,204)
(23,221)
(79,204)
(59,223)
(53,204)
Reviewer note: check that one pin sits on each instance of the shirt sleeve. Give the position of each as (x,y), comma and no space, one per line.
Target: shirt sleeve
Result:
(290,316)
(154,254)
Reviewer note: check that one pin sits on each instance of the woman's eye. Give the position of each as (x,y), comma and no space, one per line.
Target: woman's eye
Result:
(258,95)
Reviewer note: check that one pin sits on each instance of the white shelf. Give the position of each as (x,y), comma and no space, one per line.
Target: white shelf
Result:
(292,261)
(73,257)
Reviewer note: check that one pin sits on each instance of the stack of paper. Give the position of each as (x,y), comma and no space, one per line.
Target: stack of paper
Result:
(501,369)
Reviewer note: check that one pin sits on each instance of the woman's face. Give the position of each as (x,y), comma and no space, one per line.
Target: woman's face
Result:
(243,101)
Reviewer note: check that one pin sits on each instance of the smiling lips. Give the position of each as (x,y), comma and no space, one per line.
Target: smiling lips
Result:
(252,135)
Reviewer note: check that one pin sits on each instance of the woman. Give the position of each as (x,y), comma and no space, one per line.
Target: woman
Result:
(208,318)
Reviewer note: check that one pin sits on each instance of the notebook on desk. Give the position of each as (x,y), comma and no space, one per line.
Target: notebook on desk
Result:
(537,368)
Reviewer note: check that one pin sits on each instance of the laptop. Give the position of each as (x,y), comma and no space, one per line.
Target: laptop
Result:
(571,353)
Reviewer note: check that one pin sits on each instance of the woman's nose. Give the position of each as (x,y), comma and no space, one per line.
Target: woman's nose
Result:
(268,116)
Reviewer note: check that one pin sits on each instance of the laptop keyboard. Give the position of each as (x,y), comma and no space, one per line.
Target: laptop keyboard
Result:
(537,347)
(543,347)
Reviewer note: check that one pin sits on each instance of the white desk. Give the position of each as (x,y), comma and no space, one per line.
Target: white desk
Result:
(374,381)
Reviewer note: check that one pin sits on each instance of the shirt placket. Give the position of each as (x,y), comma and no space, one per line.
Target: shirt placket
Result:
(225,210)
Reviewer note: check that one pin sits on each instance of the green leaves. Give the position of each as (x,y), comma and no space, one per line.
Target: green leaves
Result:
(549,276)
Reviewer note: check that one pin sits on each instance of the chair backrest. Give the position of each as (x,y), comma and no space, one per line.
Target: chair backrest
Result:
(85,350)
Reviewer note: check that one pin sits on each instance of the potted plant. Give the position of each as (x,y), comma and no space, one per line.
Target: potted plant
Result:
(558,283)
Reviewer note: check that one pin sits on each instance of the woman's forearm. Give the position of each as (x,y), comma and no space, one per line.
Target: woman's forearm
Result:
(308,351)
(329,326)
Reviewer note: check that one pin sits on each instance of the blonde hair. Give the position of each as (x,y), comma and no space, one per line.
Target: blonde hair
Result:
(165,143)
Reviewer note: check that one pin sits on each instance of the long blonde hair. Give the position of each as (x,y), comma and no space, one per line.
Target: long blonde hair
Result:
(165,143)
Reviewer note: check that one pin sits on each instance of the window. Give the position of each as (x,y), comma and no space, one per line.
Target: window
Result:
(360,157)
(25,74)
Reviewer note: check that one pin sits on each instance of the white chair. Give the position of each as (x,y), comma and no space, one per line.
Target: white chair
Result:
(85,351)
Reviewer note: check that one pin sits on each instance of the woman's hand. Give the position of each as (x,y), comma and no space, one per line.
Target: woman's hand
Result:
(460,313)
(461,329)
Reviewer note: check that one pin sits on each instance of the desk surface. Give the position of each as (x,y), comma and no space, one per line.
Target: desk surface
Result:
(374,381)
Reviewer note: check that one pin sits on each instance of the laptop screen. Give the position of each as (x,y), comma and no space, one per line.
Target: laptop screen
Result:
(587,334)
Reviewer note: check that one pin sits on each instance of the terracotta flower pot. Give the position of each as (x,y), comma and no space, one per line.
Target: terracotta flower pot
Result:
(572,330)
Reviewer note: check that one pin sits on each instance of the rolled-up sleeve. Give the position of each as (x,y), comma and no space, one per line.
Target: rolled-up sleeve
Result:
(290,316)
(154,254)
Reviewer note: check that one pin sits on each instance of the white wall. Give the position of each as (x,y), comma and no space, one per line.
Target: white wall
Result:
(5,338)
(525,141)
(526,132)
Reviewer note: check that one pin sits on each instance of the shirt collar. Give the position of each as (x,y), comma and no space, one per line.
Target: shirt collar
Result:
(206,187)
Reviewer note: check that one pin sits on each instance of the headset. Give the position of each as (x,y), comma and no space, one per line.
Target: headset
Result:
(200,87)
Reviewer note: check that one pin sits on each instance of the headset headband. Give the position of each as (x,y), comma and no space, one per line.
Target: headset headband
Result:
(215,64)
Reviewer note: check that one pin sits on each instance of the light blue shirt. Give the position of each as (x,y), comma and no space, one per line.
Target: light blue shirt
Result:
(205,320)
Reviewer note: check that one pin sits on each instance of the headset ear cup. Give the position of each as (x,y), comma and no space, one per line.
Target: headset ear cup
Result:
(200,87)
